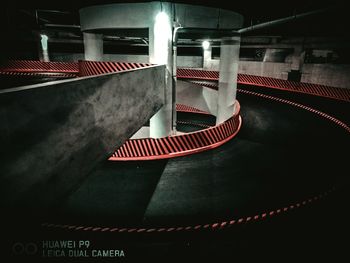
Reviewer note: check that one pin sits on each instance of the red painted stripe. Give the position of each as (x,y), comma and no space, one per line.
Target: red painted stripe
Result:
(154,148)
(215,134)
(132,148)
(140,147)
(182,142)
(163,143)
(149,146)
(210,135)
(129,150)
(159,147)
(145,147)
(136,147)
(206,137)
(188,142)
(175,148)
(199,139)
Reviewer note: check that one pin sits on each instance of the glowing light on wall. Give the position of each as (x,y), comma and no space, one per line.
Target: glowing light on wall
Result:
(44,39)
(162,38)
(205,44)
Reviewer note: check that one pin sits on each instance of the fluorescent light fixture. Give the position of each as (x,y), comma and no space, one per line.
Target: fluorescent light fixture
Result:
(205,44)
(44,39)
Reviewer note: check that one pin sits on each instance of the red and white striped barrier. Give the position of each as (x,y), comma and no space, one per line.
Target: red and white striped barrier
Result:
(91,68)
(39,66)
(308,88)
(179,145)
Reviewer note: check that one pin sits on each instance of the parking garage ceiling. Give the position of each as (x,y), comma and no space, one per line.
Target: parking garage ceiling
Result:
(24,20)
(330,23)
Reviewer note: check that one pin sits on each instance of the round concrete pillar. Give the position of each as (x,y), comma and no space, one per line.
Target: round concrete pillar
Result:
(229,58)
(43,48)
(160,52)
(207,58)
(93,46)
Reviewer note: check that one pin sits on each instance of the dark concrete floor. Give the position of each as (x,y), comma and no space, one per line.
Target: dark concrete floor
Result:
(281,155)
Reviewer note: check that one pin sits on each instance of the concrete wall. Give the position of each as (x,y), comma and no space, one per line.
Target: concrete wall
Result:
(327,74)
(53,134)
(213,64)
(69,57)
(266,69)
(196,96)
(189,61)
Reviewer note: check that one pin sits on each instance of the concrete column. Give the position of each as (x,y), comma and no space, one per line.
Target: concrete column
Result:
(296,64)
(93,46)
(207,58)
(160,52)
(44,48)
(229,58)
(298,58)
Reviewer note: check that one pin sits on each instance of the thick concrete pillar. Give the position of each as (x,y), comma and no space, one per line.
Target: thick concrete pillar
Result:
(229,58)
(297,64)
(160,52)
(44,48)
(207,58)
(93,46)
(297,58)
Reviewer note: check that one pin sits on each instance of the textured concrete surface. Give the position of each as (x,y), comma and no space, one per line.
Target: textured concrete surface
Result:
(93,46)
(196,96)
(140,15)
(160,53)
(229,60)
(327,74)
(275,55)
(189,61)
(266,69)
(53,134)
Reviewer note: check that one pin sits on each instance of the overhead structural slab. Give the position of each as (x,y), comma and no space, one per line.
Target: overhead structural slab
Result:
(141,15)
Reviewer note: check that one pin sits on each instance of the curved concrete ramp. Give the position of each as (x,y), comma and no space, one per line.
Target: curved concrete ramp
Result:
(53,134)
